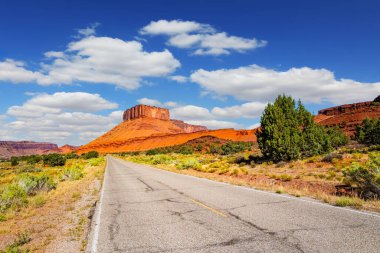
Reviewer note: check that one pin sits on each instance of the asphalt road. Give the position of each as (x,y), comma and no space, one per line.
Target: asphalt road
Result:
(143,209)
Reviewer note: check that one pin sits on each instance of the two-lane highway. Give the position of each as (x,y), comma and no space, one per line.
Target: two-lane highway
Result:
(143,209)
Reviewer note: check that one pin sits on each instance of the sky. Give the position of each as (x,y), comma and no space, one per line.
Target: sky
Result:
(68,69)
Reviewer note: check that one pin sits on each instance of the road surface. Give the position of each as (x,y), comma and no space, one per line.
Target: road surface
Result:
(143,209)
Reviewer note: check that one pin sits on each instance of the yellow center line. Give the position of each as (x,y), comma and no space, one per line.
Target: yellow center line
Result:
(209,208)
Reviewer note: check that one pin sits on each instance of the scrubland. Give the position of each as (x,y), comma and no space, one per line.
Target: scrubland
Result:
(46,206)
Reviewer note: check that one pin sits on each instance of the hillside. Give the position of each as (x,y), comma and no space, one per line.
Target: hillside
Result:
(146,127)
(22,148)
(348,116)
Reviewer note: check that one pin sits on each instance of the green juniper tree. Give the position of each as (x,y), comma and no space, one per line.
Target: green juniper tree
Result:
(289,132)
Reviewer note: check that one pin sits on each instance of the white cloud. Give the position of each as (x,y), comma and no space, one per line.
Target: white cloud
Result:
(190,112)
(148,101)
(59,118)
(203,38)
(179,79)
(15,72)
(255,83)
(88,31)
(246,110)
(174,27)
(256,125)
(171,104)
(95,60)
(215,124)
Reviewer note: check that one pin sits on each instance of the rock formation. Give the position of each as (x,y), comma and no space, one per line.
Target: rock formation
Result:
(23,148)
(187,127)
(348,116)
(146,127)
(146,111)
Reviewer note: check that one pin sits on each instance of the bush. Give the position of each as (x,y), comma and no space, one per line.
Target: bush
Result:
(368,132)
(366,177)
(337,137)
(75,172)
(14,161)
(288,132)
(53,160)
(185,150)
(330,157)
(161,159)
(189,163)
(215,149)
(12,196)
(71,155)
(33,184)
(91,154)
(154,151)
(235,147)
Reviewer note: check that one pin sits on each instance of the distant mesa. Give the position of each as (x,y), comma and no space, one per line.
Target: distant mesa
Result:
(348,116)
(153,112)
(23,148)
(146,111)
(145,127)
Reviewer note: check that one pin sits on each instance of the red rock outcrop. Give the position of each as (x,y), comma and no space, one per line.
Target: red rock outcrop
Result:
(348,116)
(188,128)
(23,148)
(147,127)
(146,111)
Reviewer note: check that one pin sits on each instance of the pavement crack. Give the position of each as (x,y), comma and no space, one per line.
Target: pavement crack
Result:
(148,187)
(114,228)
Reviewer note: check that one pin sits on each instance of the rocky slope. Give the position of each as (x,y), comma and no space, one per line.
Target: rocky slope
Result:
(145,127)
(348,116)
(22,148)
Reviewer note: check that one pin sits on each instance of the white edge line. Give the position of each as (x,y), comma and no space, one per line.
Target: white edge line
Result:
(266,192)
(94,244)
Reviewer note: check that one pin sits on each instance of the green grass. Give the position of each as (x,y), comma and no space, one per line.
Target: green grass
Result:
(347,201)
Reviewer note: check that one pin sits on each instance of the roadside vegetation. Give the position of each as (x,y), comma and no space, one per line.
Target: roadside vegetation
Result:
(293,155)
(46,200)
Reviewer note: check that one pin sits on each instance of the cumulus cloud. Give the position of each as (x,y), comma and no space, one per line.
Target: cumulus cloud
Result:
(179,78)
(94,59)
(202,38)
(148,101)
(15,72)
(60,118)
(88,31)
(255,83)
(215,124)
(246,110)
(174,27)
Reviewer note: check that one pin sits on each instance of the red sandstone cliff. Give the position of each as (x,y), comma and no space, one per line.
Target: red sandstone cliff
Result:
(187,127)
(348,116)
(23,148)
(146,111)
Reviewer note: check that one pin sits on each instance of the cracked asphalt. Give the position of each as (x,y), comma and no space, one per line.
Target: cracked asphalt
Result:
(144,209)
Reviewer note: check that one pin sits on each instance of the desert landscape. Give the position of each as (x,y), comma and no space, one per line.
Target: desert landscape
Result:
(189,126)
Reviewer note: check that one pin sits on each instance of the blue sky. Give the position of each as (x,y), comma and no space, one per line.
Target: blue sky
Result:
(69,68)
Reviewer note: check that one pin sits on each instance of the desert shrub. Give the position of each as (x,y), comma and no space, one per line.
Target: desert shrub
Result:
(12,196)
(39,201)
(32,184)
(368,132)
(14,161)
(185,150)
(162,159)
(366,177)
(347,201)
(28,169)
(215,149)
(74,172)
(199,147)
(95,161)
(188,163)
(71,155)
(154,151)
(22,238)
(90,154)
(336,136)
(53,160)
(289,132)
(33,159)
(330,157)
(235,147)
